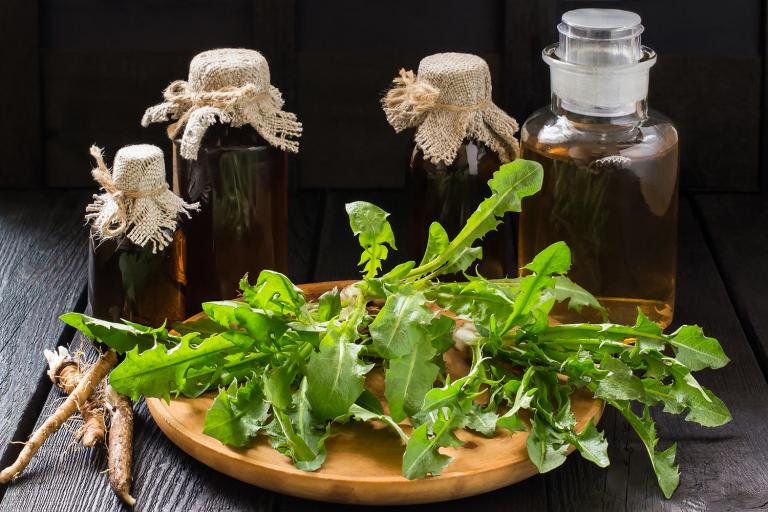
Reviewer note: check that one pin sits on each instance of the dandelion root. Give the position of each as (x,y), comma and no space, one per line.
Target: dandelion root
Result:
(79,395)
(120,444)
(66,373)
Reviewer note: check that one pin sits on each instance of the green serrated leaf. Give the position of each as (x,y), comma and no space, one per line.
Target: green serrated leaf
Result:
(119,336)
(546,448)
(399,323)
(477,299)
(437,242)
(335,376)
(591,444)
(667,473)
(697,351)
(410,376)
(555,259)
(310,428)
(273,291)
(484,421)
(204,326)
(237,414)
(422,455)
(619,383)
(329,305)
(707,410)
(360,413)
(369,223)
(158,371)
(577,297)
(509,185)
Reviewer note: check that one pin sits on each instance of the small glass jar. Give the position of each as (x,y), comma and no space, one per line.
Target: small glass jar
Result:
(241,183)
(610,170)
(449,194)
(130,282)
(136,258)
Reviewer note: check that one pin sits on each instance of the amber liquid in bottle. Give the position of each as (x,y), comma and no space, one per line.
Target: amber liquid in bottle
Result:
(129,282)
(613,200)
(449,194)
(241,183)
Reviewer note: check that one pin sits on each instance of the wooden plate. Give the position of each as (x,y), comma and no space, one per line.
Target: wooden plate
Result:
(363,462)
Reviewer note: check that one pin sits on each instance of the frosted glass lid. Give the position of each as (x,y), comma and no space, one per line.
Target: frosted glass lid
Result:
(600,37)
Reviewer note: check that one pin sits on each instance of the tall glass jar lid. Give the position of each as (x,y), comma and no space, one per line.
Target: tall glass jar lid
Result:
(599,67)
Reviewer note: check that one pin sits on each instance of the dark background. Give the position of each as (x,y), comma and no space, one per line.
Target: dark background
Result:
(79,72)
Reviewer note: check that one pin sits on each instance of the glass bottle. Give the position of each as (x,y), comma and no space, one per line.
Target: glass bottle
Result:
(449,194)
(127,281)
(610,170)
(136,258)
(241,183)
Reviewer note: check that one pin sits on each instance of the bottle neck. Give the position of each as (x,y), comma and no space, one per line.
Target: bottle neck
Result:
(629,116)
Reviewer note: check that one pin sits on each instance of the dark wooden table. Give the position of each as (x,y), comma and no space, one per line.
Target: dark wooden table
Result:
(722,281)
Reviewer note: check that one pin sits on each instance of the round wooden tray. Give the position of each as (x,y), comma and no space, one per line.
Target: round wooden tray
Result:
(363,462)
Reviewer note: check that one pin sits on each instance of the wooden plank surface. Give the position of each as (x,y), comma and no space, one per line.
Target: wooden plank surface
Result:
(736,229)
(42,272)
(164,474)
(722,469)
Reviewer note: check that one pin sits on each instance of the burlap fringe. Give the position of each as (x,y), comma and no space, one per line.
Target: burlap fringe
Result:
(237,106)
(442,127)
(142,216)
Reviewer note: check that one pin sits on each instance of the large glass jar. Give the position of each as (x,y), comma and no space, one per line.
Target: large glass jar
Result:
(241,183)
(127,281)
(610,171)
(449,194)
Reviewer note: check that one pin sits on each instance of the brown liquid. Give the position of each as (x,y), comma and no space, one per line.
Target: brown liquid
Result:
(449,194)
(241,183)
(129,282)
(619,217)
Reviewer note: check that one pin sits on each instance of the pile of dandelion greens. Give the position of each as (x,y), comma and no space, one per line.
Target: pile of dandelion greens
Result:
(290,368)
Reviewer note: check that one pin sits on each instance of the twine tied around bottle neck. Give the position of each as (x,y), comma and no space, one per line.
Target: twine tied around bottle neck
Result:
(136,201)
(188,101)
(447,101)
(412,96)
(116,222)
(230,86)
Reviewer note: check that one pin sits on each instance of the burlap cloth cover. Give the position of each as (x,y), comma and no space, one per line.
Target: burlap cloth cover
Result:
(448,101)
(231,86)
(136,201)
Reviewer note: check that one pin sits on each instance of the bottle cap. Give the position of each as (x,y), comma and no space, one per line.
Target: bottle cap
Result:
(599,67)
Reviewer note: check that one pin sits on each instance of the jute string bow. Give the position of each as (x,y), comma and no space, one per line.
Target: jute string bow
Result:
(410,96)
(136,201)
(229,86)
(116,222)
(449,101)
(189,101)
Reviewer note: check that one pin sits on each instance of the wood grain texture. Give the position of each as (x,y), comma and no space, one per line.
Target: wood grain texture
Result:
(736,231)
(42,274)
(68,477)
(20,124)
(722,468)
